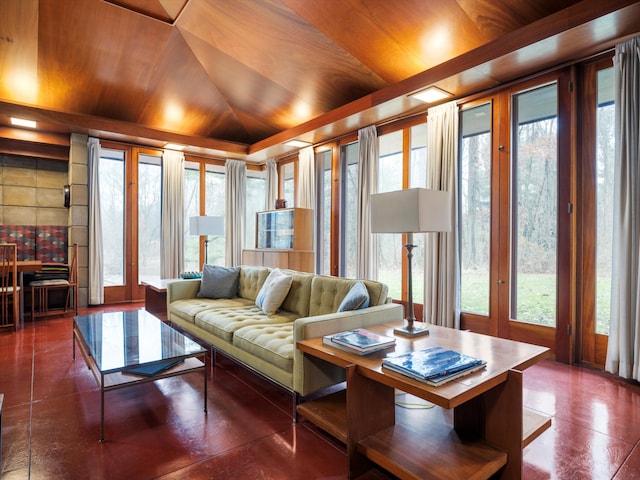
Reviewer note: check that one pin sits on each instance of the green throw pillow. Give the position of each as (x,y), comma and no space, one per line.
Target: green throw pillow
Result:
(219,282)
(356,298)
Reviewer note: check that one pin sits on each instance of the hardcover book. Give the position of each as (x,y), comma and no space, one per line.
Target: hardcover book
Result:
(360,341)
(434,365)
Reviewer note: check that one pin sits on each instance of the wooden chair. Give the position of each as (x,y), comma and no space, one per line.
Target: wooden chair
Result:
(41,291)
(9,289)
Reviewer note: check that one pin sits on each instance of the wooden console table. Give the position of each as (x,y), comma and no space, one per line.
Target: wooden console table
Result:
(489,426)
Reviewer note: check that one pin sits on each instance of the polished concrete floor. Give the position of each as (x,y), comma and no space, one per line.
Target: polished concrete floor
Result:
(51,421)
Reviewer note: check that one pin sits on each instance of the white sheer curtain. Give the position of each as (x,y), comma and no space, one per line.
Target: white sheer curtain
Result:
(236,193)
(366,250)
(96,265)
(272,184)
(172,238)
(440,285)
(623,352)
(306,179)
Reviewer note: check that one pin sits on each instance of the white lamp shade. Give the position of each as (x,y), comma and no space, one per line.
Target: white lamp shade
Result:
(206,225)
(412,210)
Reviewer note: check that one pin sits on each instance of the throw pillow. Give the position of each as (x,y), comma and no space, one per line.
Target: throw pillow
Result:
(273,291)
(219,282)
(356,298)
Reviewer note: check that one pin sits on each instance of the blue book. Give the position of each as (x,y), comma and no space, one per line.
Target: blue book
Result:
(434,365)
(360,340)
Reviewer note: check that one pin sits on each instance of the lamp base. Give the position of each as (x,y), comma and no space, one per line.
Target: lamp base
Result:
(411,331)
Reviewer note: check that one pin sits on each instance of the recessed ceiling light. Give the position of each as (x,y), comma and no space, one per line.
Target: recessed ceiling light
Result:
(431,94)
(297,143)
(21,122)
(174,146)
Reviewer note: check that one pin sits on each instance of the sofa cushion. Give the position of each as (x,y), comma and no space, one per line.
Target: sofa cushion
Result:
(274,291)
(223,322)
(188,309)
(356,298)
(327,294)
(271,343)
(219,282)
(251,281)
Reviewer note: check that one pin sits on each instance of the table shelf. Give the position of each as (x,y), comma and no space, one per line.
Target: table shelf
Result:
(328,413)
(534,424)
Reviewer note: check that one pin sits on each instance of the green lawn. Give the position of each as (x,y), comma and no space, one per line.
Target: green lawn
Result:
(536,297)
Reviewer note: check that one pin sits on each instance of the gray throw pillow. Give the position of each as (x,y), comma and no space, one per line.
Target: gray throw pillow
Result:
(219,282)
(356,298)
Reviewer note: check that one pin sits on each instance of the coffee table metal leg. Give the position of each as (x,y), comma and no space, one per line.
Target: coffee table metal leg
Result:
(102,412)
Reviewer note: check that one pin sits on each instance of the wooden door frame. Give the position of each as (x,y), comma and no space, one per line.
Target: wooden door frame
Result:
(591,347)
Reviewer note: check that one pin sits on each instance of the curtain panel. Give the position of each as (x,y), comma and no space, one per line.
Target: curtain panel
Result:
(366,251)
(306,179)
(172,236)
(441,253)
(272,184)
(623,352)
(234,220)
(96,262)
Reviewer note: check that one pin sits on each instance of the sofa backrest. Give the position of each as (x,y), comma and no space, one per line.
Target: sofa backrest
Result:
(327,294)
(378,292)
(310,294)
(251,280)
(297,300)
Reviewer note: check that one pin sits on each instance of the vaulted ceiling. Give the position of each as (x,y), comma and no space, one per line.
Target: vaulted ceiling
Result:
(238,77)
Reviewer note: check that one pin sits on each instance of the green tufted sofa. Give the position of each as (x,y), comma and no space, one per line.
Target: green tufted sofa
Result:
(267,343)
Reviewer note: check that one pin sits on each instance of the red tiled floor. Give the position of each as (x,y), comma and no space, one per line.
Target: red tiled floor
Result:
(51,421)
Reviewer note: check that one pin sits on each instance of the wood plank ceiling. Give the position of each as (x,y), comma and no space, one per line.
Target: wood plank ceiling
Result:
(231,77)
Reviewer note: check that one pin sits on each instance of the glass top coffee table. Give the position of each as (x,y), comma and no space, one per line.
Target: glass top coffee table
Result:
(128,348)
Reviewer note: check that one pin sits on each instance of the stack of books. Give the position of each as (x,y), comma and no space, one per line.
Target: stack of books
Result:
(433,365)
(360,341)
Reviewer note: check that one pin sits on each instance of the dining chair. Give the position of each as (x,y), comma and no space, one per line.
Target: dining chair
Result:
(9,289)
(41,291)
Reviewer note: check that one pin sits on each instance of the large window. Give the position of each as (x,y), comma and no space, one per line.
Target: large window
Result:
(534,206)
(418,179)
(191,209)
(288,192)
(349,216)
(323,212)
(605,148)
(215,205)
(112,210)
(475,208)
(390,251)
(256,195)
(149,216)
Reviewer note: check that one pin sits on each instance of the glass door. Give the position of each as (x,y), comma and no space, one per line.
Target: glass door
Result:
(515,216)
(130,195)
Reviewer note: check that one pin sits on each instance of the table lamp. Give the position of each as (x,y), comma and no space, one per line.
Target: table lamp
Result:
(205,226)
(409,211)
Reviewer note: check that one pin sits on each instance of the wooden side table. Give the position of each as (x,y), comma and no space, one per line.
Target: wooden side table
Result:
(484,436)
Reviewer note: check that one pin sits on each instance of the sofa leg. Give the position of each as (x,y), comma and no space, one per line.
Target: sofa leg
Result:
(296,401)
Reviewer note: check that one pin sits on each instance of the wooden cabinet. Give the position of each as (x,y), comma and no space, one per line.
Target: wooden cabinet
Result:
(284,239)
(287,228)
